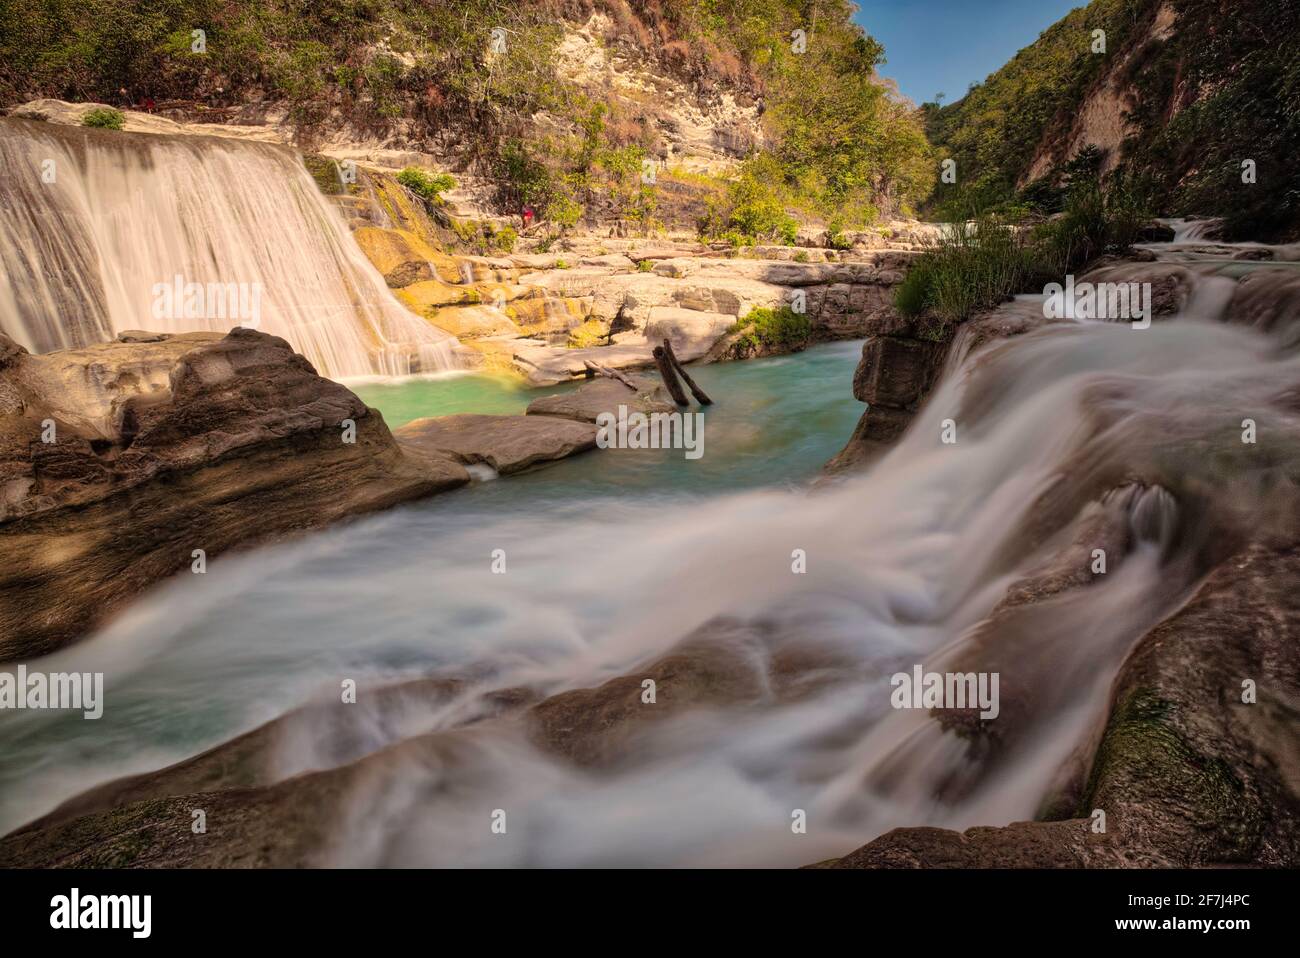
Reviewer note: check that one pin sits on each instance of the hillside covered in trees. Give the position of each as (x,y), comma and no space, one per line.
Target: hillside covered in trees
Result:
(486,80)
(1180,94)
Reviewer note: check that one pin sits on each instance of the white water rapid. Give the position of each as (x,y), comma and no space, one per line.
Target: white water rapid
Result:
(1074,437)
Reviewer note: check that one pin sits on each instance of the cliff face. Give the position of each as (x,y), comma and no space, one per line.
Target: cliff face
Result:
(1102,117)
(1182,94)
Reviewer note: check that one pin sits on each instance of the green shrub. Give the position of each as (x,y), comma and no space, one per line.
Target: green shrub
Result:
(836,237)
(750,211)
(104,118)
(506,238)
(429,186)
(781,329)
(564,212)
(912,297)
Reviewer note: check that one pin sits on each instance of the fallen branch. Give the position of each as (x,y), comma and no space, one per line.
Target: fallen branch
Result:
(599,370)
(700,395)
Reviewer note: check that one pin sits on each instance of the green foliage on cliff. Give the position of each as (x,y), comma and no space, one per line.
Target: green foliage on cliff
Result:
(1217,88)
(780,329)
(994,132)
(1223,90)
(842,140)
(752,208)
(486,69)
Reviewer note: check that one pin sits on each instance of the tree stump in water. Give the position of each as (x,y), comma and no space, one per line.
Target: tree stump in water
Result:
(669,377)
(700,395)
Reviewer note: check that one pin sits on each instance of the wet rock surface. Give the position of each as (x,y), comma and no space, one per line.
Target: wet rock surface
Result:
(1187,773)
(118,461)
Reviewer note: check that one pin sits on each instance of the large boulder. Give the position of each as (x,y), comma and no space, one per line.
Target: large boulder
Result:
(603,395)
(119,461)
(691,331)
(506,444)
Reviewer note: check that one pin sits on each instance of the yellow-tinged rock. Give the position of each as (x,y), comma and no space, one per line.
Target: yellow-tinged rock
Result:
(404,258)
(549,313)
(434,293)
(472,322)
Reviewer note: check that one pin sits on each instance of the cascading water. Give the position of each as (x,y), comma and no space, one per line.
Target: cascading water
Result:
(1191,231)
(106,232)
(1071,436)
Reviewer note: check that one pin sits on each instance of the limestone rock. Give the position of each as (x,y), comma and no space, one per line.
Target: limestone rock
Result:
(691,331)
(604,395)
(472,322)
(507,444)
(896,372)
(403,257)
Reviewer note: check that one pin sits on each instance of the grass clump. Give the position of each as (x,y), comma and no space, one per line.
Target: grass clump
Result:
(104,118)
(980,263)
(974,266)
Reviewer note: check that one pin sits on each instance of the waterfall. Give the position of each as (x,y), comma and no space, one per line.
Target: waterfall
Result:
(1192,231)
(102,232)
(1070,438)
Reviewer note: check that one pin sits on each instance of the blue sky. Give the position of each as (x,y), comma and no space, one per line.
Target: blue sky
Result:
(935,45)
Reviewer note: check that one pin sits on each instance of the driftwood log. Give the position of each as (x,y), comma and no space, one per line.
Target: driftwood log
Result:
(669,376)
(598,370)
(700,395)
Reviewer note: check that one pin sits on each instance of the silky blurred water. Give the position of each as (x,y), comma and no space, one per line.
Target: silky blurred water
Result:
(202,658)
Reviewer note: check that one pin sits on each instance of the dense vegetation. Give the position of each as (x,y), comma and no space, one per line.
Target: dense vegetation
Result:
(994,132)
(979,264)
(104,118)
(779,330)
(1223,88)
(838,143)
